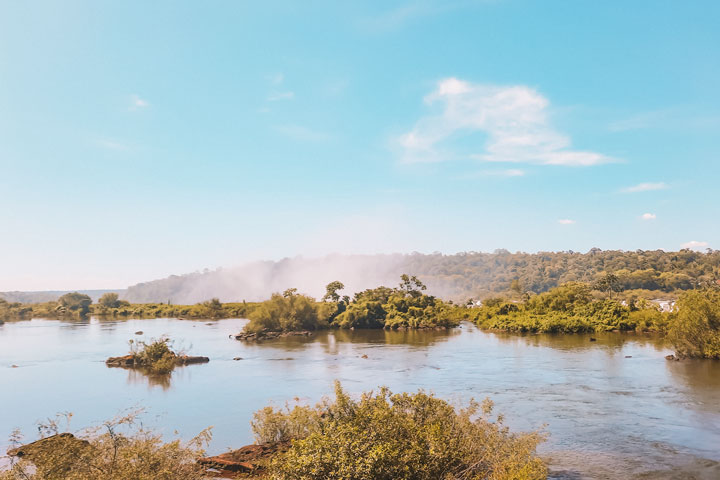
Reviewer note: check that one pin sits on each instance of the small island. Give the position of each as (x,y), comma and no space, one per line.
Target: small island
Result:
(155,357)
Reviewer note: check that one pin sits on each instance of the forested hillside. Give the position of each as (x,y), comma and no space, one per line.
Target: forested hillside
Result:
(454,277)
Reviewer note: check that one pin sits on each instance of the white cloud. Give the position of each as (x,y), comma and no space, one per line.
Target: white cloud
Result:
(276,79)
(298,132)
(111,144)
(566,221)
(137,103)
(515,120)
(277,96)
(510,172)
(694,245)
(648,216)
(645,187)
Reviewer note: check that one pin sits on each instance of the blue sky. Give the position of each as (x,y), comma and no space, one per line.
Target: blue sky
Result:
(140,139)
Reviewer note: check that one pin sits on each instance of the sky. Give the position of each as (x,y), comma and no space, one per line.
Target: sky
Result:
(142,139)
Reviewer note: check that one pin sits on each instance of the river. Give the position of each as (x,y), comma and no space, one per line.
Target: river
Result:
(613,408)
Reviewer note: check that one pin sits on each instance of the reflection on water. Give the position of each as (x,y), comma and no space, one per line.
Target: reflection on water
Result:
(615,408)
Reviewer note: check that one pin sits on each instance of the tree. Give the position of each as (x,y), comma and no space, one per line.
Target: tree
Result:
(695,329)
(76,302)
(609,283)
(331,291)
(109,300)
(411,285)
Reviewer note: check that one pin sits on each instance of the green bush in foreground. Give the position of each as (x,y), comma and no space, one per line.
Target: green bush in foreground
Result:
(116,450)
(386,436)
(694,329)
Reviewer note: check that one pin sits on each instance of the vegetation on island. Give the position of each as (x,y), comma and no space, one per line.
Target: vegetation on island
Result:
(77,305)
(119,449)
(574,307)
(154,357)
(405,306)
(386,436)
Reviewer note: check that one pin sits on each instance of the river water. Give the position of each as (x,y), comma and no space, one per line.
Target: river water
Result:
(607,415)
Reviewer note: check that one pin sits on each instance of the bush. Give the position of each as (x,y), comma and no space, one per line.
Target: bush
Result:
(156,356)
(289,312)
(694,329)
(117,450)
(386,436)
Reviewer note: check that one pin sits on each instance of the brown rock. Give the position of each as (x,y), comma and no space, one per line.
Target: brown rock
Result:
(139,332)
(124,361)
(187,360)
(248,459)
(364,356)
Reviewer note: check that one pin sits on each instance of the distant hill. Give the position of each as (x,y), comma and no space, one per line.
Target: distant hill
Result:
(51,295)
(457,277)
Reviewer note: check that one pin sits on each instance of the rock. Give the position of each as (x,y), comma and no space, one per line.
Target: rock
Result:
(628,356)
(139,332)
(364,356)
(124,361)
(13,366)
(672,357)
(267,335)
(187,360)
(129,361)
(237,358)
(248,459)
(593,339)
(55,454)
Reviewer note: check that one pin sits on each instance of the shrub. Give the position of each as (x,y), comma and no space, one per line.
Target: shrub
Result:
(116,450)
(156,356)
(386,436)
(694,329)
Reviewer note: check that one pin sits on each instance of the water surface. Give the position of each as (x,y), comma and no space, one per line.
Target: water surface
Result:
(608,416)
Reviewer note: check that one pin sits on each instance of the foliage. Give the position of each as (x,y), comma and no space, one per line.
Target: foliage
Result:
(289,312)
(403,307)
(109,300)
(569,308)
(74,302)
(694,329)
(157,356)
(470,274)
(117,450)
(386,436)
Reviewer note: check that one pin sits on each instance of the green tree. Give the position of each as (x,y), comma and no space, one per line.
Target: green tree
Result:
(109,300)
(331,290)
(75,302)
(695,329)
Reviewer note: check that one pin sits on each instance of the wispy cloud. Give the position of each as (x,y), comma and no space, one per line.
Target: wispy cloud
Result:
(510,172)
(276,78)
(137,103)
(278,96)
(514,119)
(694,245)
(648,216)
(566,221)
(397,17)
(301,133)
(645,187)
(111,144)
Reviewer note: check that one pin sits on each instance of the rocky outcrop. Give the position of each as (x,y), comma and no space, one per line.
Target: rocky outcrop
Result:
(131,361)
(250,459)
(54,456)
(267,335)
